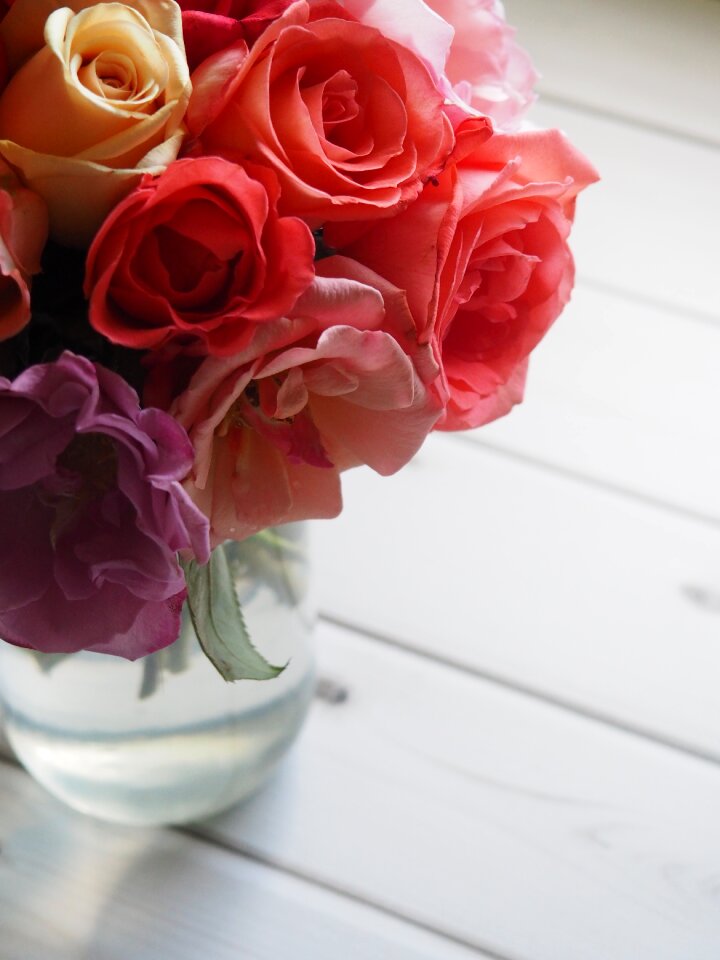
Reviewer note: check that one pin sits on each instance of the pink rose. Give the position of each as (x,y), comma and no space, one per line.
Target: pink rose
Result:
(23,232)
(350,121)
(483,256)
(198,254)
(339,383)
(467,46)
(487,70)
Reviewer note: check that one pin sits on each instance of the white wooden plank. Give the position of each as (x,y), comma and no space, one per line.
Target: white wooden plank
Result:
(72,888)
(581,594)
(507,822)
(652,61)
(649,226)
(627,394)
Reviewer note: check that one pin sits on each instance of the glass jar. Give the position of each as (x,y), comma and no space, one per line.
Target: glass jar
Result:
(165,739)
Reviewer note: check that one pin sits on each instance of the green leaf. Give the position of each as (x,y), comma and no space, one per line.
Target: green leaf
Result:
(219,624)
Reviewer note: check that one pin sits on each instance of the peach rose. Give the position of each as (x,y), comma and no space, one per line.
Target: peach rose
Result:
(351,122)
(336,385)
(96,99)
(23,232)
(484,258)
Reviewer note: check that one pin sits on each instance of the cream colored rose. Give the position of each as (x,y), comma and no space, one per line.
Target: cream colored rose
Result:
(97,101)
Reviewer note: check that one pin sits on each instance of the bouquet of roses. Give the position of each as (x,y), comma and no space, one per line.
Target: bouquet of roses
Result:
(244,246)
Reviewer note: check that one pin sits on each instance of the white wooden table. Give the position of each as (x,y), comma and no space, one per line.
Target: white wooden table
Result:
(526,622)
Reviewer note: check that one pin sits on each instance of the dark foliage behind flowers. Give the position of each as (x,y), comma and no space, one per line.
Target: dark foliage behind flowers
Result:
(60,322)
(304,233)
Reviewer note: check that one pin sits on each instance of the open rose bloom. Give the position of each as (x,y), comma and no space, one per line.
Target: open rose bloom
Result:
(246,245)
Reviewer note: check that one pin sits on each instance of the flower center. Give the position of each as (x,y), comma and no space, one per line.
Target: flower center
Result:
(91,457)
(117,60)
(85,471)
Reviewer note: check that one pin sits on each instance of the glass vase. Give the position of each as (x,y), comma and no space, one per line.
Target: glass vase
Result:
(165,739)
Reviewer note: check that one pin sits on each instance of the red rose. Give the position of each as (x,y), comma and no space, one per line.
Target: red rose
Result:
(483,256)
(350,121)
(213,25)
(198,254)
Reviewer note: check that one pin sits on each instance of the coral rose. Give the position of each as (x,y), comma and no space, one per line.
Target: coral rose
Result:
(350,121)
(23,232)
(197,254)
(92,513)
(339,384)
(483,256)
(96,97)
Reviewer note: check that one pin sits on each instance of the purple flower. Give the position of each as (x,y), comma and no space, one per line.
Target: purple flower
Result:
(92,513)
